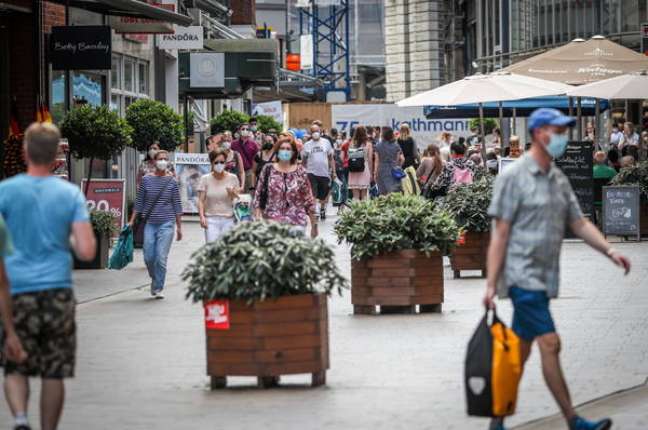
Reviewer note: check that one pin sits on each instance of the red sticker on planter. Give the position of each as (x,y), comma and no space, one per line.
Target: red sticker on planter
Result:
(462,239)
(217,315)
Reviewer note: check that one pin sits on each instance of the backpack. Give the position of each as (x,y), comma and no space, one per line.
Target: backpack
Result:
(462,176)
(356,160)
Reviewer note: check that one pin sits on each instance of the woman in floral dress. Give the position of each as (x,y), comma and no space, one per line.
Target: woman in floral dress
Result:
(283,193)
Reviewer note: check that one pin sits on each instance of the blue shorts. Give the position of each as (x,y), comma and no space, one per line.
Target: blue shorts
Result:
(531,316)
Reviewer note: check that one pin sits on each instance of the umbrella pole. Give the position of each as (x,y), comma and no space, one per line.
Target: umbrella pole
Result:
(580,118)
(597,128)
(483,135)
(514,120)
(571,114)
(501,122)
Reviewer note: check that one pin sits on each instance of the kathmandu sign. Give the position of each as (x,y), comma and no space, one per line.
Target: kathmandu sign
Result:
(183,38)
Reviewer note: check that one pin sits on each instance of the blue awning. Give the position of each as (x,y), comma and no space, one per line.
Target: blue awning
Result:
(522,108)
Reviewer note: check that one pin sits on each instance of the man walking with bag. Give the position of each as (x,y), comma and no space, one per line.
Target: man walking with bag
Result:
(42,212)
(532,204)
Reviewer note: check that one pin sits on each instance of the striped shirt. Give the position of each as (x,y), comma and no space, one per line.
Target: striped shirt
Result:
(167,206)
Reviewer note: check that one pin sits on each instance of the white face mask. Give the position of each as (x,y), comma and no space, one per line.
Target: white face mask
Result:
(161,164)
(151,153)
(315,135)
(219,168)
(226,145)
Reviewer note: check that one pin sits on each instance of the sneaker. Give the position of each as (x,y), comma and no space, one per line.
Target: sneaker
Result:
(159,295)
(22,427)
(578,423)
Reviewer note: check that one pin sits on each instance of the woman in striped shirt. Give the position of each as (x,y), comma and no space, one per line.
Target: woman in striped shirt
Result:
(158,202)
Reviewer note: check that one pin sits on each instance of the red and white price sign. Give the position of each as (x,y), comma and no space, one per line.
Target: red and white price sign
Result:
(107,195)
(217,316)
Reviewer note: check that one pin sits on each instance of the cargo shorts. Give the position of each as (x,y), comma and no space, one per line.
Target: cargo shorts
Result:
(45,324)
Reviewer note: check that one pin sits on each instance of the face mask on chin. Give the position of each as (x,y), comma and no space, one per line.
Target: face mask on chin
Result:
(557,145)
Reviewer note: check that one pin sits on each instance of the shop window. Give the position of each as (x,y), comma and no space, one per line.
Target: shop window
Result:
(142,78)
(129,75)
(115,72)
(87,88)
(57,98)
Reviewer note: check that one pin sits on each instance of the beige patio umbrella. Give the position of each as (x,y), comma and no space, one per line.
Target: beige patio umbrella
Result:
(581,62)
(624,87)
(494,87)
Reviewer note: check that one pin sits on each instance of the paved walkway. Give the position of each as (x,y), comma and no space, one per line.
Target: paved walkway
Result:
(142,362)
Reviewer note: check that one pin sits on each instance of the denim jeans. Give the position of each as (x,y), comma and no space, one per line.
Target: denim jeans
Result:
(157,244)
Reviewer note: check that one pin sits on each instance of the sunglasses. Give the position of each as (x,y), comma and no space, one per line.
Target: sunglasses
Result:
(219,162)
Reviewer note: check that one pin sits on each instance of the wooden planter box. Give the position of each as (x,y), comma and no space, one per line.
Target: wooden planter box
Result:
(101,257)
(271,338)
(471,255)
(397,282)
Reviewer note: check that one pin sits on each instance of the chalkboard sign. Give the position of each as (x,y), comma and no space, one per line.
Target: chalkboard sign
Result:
(621,210)
(578,165)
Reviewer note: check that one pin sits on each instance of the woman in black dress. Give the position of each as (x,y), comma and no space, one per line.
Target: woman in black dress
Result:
(408,147)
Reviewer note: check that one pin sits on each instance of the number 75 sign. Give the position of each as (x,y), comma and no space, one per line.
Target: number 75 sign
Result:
(107,195)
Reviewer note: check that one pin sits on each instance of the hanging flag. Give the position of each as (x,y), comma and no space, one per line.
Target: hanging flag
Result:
(14,127)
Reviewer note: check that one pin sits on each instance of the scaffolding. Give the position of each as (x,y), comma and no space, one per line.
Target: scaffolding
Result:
(328,23)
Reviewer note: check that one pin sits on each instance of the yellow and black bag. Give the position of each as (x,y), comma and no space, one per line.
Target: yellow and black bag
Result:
(492,369)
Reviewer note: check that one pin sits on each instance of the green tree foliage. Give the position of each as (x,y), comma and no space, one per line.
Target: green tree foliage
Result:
(260,260)
(266,123)
(469,204)
(396,222)
(153,121)
(228,120)
(95,132)
(490,124)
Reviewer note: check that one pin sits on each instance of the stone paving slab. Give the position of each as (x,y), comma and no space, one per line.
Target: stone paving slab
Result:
(142,362)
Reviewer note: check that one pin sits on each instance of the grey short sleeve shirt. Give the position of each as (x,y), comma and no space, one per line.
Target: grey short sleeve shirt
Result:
(539,205)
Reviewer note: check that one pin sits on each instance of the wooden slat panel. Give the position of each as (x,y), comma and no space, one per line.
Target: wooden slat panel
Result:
(393,291)
(292,342)
(231,357)
(385,262)
(293,368)
(392,273)
(288,302)
(393,300)
(235,330)
(285,329)
(287,355)
(240,369)
(278,316)
(238,343)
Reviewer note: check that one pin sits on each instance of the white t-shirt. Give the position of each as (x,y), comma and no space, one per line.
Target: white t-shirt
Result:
(317,153)
(218,202)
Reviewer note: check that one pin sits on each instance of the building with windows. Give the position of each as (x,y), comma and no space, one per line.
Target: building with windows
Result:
(499,33)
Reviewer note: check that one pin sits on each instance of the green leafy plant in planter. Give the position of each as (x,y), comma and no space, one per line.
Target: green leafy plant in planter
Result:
(103,222)
(469,204)
(95,133)
(396,222)
(266,123)
(261,260)
(637,175)
(153,121)
(228,120)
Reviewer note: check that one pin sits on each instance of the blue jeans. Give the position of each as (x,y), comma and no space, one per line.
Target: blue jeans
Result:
(157,244)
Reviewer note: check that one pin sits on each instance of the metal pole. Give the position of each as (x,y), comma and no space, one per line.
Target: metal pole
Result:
(514,120)
(571,113)
(287,29)
(580,119)
(186,123)
(483,134)
(597,128)
(501,121)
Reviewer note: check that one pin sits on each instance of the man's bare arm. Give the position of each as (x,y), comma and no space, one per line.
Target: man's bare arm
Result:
(496,255)
(587,231)
(84,242)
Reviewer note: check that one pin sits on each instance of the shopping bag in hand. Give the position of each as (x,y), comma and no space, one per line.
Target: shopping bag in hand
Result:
(123,252)
(492,369)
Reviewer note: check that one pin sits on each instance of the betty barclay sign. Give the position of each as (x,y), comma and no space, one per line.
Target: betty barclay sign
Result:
(81,47)
(183,38)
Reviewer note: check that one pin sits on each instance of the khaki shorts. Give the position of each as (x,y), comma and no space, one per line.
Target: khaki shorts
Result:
(45,323)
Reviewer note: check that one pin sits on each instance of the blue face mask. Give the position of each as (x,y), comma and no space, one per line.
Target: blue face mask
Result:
(557,145)
(285,155)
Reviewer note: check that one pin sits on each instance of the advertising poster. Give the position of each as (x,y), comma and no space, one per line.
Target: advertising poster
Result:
(189,168)
(424,130)
(107,195)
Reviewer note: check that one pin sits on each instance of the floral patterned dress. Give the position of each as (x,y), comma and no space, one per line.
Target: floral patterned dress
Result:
(290,198)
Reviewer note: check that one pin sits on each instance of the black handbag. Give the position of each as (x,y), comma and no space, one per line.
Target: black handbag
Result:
(140,220)
(263,197)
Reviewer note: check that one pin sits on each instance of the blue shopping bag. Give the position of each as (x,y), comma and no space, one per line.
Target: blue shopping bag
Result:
(123,252)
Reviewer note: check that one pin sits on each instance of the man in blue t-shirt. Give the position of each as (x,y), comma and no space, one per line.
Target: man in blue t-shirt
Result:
(42,212)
